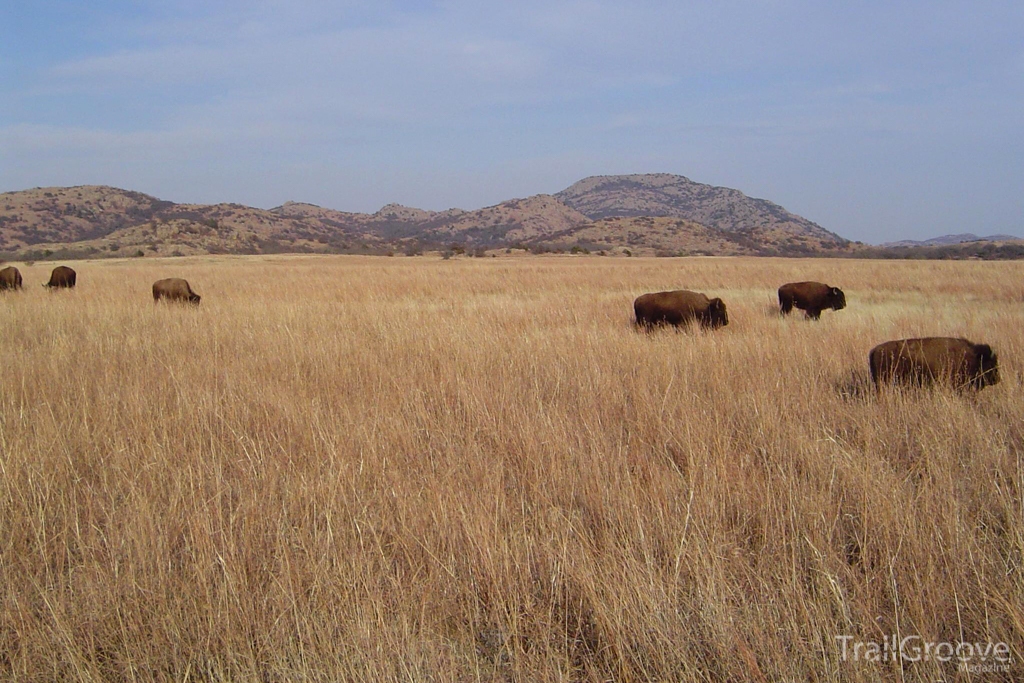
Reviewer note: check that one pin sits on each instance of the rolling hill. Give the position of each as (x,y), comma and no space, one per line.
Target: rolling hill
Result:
(947,240)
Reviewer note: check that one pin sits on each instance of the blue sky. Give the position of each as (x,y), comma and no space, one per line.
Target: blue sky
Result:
(877,120)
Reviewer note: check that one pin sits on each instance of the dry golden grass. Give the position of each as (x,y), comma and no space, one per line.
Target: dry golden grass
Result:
(475,469)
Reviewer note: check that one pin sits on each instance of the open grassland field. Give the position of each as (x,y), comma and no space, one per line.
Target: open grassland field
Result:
(343,468)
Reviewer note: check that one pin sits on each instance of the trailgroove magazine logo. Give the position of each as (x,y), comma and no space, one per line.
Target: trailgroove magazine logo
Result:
(976,657)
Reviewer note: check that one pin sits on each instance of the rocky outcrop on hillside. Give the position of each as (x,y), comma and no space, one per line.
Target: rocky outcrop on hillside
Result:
(720,208)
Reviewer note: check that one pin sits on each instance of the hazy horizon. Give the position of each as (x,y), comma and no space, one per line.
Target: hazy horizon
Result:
(879,123)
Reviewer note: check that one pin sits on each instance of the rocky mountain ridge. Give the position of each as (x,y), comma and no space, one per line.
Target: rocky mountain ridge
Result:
(634,214)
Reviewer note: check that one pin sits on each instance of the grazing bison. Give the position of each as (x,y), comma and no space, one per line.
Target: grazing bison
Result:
(811,298)
(678,308)
(174,289)
(61,277)
(10,278)
(934,359)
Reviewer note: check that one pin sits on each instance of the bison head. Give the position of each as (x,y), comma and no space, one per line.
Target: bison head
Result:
(194,298)
(716,315)
(836,299)
(988,366)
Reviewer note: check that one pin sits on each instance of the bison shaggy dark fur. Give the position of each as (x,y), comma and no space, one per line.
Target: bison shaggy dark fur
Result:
(811,298)
(174,289)
(934,359)
(62,277)
(678,308)
(10,278)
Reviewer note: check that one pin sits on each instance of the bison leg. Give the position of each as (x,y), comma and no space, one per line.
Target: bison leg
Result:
(813,313)
(785,305)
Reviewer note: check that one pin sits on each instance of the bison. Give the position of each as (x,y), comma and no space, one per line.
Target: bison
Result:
(934,359)
(10,278)
(174,289)
(678,308)
(62,277)
(811,298)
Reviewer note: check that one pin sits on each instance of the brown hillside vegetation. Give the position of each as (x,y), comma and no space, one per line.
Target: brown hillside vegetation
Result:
(69,214)
(345,468)
(517,220)
(78,222)
(647,236)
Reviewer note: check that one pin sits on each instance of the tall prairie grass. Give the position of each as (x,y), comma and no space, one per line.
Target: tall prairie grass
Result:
(476,469)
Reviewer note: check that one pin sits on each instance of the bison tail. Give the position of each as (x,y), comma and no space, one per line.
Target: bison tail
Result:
(874,362)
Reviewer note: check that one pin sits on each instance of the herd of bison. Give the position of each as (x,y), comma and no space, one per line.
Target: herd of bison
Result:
(62,277)
(911,361)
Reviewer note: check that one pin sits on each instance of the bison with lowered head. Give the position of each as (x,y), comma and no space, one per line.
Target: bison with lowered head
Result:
(10,278)
(62,277)
(811,298)
(934,359)
(678,308)
(174,289)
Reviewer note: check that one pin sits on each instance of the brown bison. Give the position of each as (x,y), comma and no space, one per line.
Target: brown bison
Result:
(934,359)
(174,289)
(62,277)
(811,298)
(678,308)
(10,278)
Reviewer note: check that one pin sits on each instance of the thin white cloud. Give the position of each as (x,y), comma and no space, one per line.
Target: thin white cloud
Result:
(171,65)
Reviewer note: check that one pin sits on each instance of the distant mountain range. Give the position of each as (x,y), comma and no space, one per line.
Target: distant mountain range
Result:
(628,214)
(652,214)
(946,240)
